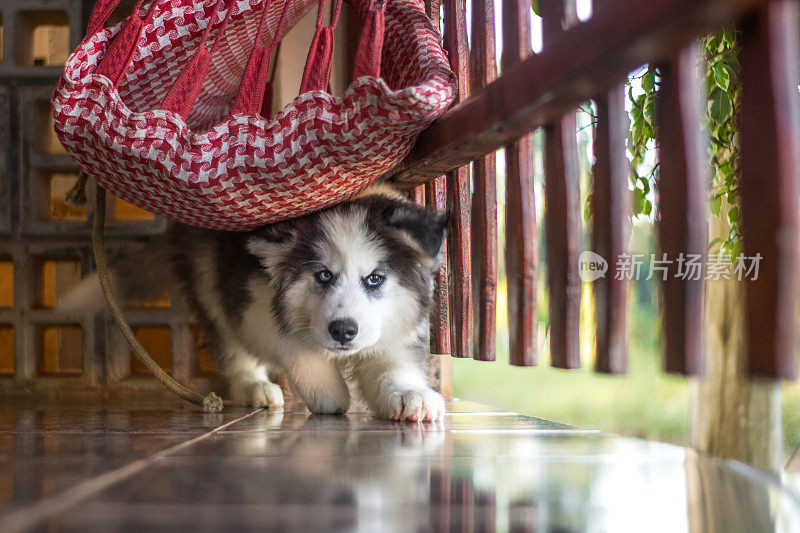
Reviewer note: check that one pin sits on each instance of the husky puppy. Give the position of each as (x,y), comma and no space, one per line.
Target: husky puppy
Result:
(343,293)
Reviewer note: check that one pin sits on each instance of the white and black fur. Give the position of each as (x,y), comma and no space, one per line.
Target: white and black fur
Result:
(343,293)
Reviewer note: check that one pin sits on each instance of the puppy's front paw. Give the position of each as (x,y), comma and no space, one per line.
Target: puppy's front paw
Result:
(414,405)
(330,402)
(256,394)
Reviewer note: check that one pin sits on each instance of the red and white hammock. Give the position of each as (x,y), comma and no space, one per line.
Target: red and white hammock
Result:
(169,110)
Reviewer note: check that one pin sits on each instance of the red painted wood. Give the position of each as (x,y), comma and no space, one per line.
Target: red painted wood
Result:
(563,240)
(516,34)
(770,169)
(584,61)
(682,198)
(610,223)
(436,196)
(455,43)
(484,257)
(522,250)
(459,257)
(483,67)
(459,196)
(553,19)
(441,495)
(483,70)
(564,235)
(522,253)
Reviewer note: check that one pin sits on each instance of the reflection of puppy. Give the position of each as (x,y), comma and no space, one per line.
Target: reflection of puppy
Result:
(342,292)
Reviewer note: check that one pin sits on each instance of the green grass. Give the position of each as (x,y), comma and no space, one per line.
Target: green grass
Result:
(645,403)
(791,416)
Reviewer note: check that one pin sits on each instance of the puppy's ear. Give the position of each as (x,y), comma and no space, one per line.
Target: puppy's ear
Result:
(427,227)
(270,244)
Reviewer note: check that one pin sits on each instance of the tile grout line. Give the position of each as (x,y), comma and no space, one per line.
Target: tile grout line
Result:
(29,516)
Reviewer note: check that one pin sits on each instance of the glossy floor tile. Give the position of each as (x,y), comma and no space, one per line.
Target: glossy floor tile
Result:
(171,468)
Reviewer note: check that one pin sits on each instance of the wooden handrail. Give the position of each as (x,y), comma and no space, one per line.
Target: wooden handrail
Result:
(586,60)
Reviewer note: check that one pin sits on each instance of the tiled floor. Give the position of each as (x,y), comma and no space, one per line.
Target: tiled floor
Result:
(170,467)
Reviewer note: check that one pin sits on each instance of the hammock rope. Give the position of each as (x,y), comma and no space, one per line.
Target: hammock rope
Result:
(210,402)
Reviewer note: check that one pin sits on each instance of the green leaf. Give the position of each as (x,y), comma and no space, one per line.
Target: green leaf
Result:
(536,8)
(714,242)
(729,34)
(638,133)
(638,201)
(647,131)
(715,205)
(721,77)
(720,106)
(733,215)
(732,64)
(714,43)
(727,247)
(649,80)
(587,208)
(650,110)
(645,185)
(737,249)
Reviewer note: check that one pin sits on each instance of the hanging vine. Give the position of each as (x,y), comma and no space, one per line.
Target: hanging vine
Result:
(722,87)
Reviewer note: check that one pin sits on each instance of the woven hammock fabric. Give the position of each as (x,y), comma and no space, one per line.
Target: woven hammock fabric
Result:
(165,109)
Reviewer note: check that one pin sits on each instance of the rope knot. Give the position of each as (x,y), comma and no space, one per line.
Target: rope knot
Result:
(212,403)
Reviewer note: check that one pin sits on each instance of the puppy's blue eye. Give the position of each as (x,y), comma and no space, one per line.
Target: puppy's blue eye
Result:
(374,280)
(324,276)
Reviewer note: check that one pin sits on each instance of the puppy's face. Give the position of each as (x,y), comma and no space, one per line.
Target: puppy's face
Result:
(353,276)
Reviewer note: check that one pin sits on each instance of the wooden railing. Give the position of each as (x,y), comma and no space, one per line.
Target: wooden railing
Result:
(589,60)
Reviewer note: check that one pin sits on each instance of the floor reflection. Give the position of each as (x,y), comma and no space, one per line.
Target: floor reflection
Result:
(479,470)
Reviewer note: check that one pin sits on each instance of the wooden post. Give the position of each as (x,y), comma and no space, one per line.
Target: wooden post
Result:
(484,199)
(683,205)
(610,224)
(459,199)
(750,324)
(562,214)
(522,251)
(769,129)
(731,415)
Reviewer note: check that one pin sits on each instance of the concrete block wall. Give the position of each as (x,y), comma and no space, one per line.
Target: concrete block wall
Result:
(44,243)
(23,22)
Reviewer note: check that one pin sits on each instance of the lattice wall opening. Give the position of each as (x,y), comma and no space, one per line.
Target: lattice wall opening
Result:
(6,350)
(157,340)
(55,279)
(48,142)
(44,242)
(6,283)
(42,38)
(122,210)
(60,350)
(57,183)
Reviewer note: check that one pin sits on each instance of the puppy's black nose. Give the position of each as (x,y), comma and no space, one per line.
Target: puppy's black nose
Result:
(343,330)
